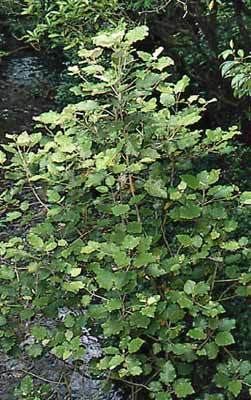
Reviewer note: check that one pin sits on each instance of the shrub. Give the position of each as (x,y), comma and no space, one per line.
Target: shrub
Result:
(239,70)
(65,23)
(105,212)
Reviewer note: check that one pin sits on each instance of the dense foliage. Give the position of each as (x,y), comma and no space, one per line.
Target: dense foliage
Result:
(129,207)
(112,215)
(193,32)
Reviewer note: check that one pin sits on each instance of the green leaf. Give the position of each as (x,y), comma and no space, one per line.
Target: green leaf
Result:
(197,333)
(39,332)
(12,216)
(3,320)
(109,40)
(114,304)
(104,279)
(143,259)
(208,178)
(86,300)
(35,241)
(182,84)
(26,384)
(73,287)
(116,361)
(74,272)
(50,118)
(134,227)
(35,350)
(120,209)
(6,273)
(135,345)
(190,211)
(232,245)
(167,99)
(191,181)
(245,198)
(156,188)
(69,321)
(136,34)
(183,388)
(235,387)
(2,157)
(185,240)
(23,139)
(189,287)
(212,350)
(224,339)
(130,242)
(26,314)
(53,196)
(133,366)
(144,56)
(162,63)
(245,368)
(168,373)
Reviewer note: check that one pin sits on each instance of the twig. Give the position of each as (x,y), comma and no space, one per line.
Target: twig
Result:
(156,10)
(28,179)
(133,195)
(40,377)
(139,385)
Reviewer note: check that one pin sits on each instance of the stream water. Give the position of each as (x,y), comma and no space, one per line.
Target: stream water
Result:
(26,90)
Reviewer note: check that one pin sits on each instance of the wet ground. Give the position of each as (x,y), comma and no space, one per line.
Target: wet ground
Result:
(26,88)
(27,82)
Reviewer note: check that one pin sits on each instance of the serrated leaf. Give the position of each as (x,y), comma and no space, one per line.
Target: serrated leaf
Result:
(167,99)
(50,118)
(212,350)
(3,320)
(13,215)
(104,279)
(136,34)
(114,304)
(168,373)
(53,196)
(235,387)
(156,188)
(224,339)
(23,139)
(197,333)
(185,240)
(86,300)
(206,178)
(35,350)
(108,40)
(182,84)
(163,63)
(115,361)
(245,198)
(191,181)
(6,273)
(189,287)
(120,209)
(39,332)
(73,287)
(35,241)
(2,157)
(69,321)
(135,345)
(183,388)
